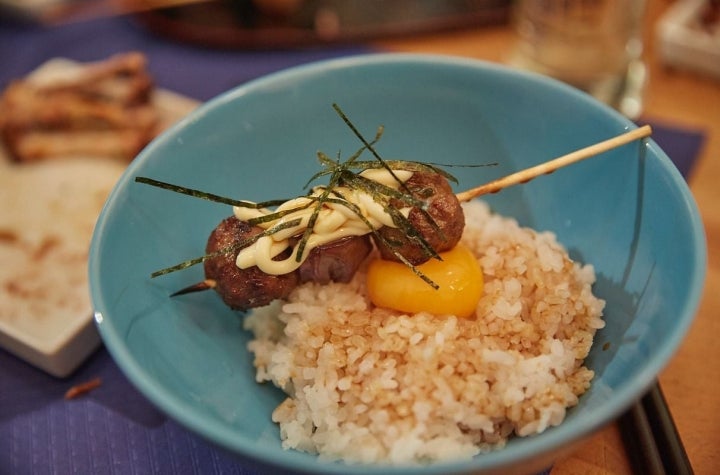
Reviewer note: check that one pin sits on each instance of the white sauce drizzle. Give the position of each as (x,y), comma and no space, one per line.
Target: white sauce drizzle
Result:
(335,221)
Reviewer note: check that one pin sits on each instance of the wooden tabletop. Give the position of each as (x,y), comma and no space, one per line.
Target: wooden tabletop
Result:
(691,381)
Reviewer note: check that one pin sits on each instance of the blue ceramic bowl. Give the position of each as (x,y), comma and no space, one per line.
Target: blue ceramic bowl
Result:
(628,212)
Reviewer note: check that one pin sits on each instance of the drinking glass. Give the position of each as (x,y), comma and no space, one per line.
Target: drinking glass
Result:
(594,45)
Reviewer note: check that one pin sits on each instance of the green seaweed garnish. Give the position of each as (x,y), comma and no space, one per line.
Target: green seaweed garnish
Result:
(341,173)
(205,195)
(226,250)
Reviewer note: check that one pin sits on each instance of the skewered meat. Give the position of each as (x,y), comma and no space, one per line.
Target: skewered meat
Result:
(248,288)
(335,261)
(440,224)
(443,207)
(242,289)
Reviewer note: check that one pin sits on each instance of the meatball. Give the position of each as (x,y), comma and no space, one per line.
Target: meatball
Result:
(444,209)
(242,289)
(335,261)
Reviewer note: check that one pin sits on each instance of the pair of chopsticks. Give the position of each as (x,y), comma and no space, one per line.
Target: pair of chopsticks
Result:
(651,438)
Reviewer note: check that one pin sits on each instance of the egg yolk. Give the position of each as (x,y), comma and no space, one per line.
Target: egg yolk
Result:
(459,277)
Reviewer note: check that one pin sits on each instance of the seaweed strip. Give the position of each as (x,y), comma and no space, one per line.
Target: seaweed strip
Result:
(205,195)
(226,250)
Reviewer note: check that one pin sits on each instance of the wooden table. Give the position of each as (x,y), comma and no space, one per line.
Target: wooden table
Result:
(691,382)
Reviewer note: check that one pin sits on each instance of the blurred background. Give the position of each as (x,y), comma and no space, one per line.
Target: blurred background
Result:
(598,46)
(655,61)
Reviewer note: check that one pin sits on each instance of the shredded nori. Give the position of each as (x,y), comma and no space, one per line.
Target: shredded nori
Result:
(341,173)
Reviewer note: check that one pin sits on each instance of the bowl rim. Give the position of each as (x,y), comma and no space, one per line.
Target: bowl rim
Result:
(522,448)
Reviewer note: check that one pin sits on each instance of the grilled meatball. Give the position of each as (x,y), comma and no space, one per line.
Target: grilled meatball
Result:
(242,289)
(443,207)
(339,260)
(335,261)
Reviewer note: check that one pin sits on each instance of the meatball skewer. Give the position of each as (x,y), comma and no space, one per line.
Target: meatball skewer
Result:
(338,260)
(439,224)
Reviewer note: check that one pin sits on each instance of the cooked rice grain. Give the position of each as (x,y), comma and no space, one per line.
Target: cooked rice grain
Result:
(370,385)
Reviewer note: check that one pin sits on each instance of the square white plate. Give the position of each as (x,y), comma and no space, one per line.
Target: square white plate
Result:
(49,209)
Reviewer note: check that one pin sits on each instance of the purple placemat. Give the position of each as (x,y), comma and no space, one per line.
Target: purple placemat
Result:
(682,145)
(193,71)
(114,429)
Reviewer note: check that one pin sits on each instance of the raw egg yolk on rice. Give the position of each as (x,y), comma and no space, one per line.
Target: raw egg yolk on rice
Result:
(459,277)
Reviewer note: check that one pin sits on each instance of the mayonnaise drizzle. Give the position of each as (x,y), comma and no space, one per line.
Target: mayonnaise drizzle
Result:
(335,221)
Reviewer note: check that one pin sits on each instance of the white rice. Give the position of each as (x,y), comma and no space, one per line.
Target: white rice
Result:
(369,385)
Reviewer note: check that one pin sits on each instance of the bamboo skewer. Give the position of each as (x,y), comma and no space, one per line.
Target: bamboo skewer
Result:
(523,176)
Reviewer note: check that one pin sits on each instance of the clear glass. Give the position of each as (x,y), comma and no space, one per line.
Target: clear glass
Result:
(594,45)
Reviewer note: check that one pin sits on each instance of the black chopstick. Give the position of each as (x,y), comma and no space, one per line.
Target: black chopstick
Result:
(651,438)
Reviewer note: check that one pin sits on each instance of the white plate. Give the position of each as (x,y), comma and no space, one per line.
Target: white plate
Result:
(684,43)
(49,212)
